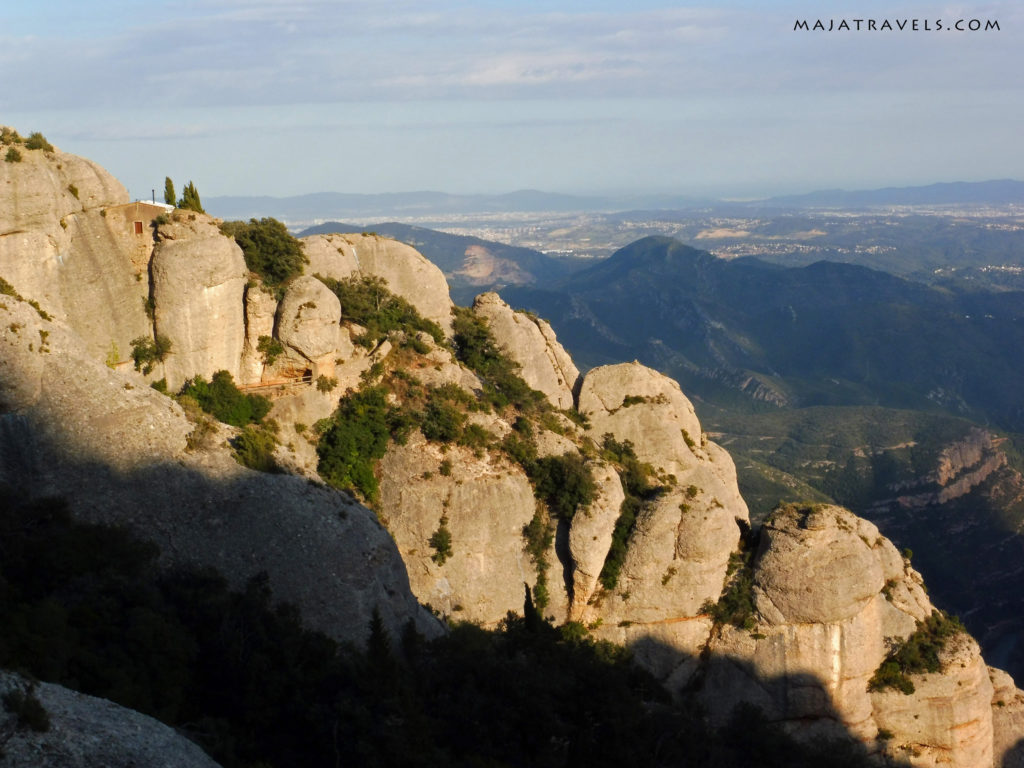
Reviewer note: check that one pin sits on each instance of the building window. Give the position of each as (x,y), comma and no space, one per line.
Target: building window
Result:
(138,227)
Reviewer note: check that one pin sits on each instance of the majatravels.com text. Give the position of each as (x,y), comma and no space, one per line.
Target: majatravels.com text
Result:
(895,25)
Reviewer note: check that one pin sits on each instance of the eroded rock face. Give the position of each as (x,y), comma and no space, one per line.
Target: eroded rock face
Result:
(486,503)
(199,279)
(117,450)
(636,403)
(58,248)
(260,310)
(407,272)
(87,732)
(545,365)
(828,592)
(308,326)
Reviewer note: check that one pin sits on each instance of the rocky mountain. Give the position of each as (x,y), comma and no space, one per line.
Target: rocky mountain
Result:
(490,464)
(826,334)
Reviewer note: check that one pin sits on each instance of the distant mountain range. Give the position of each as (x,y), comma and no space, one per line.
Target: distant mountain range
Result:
(340,205)
(824,334)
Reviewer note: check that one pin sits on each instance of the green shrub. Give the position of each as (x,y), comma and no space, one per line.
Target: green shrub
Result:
(169,191)
(441,541)
(147,352)
(638,488)
(538,535)
(36,140)
(269,249)
(270,348)
(357,436)
(13,155)
(565,483)
(73,190)
(918,654)
(160,385)
(254,448)
(446,468)
(736,604)
(442,422)
(226,402)
(325,384)
(9,136)
(477,349)
(367,301)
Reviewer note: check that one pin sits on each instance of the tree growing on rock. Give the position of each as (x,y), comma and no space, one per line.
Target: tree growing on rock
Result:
(190,199)
(169,197)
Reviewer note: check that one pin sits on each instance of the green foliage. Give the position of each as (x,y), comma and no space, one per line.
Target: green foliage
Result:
(254,448)
(441,541)
(9,136)
(538,535)
(476,347)
(269,249)
(442,422)
(736,604)
(270,348)
(12,155)
(367,301)
(147,352)
(918,654)
(169,197)
(326,384)
(638,488)
(36,140)
(160,385)
(356,439)
(73,190)
(190,199)
(445,469)
(565,482)
(224,401)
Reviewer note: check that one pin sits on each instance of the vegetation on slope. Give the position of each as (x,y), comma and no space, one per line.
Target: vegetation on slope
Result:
(269,249)
(918,654)
(87,607)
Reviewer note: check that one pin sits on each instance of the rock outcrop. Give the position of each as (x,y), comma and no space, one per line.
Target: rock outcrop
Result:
(199,278)
(530,342)
(87,732)
(664,431)
(483,503)
(119,452)
(407,273)
(58,248)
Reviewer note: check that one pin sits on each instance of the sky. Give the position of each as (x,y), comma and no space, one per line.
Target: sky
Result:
(287,97)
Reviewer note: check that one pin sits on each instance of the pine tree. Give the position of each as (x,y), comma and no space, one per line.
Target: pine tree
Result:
(168,191)
(190,199)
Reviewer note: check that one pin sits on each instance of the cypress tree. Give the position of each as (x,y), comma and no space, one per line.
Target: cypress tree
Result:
(168,191)
(190,199)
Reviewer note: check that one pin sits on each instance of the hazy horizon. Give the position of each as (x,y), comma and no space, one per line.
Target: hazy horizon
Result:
(266,97)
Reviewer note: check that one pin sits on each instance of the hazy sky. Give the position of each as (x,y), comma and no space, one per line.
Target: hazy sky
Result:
(285,97)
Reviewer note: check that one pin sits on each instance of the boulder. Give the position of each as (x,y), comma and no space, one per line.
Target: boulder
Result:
(486,503)
(88,732)
(530,342)
(260,310)
(647,408)
(199,278)
(308,322)
(407,273)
